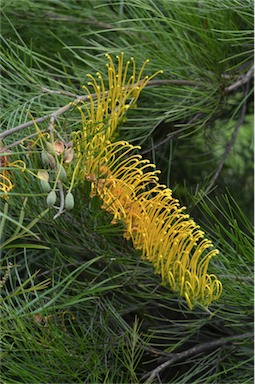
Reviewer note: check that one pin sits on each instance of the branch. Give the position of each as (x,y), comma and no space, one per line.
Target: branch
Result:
(78,98)
(197,350)
(62,201)
(241,81)
(232,141)
(52,117)
(153,83)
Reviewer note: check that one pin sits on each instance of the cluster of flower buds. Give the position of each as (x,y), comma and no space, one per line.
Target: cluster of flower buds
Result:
(55,156)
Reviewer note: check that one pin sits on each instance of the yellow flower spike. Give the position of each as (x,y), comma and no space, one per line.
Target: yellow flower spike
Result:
(154,221)
(129,188)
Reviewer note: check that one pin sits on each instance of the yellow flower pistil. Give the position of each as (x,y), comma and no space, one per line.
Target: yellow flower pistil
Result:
(153,219)
(107,104)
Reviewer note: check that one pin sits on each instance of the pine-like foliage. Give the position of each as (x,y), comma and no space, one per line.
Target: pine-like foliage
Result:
(79,162)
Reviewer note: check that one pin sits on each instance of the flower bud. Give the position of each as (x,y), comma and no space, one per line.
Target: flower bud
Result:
(51,198)
(48,159)
(58,147)
(62,172)
(69,201)
(45,159)
(43,175)
(45,185)
(44,180)
(50,148)
(68,156)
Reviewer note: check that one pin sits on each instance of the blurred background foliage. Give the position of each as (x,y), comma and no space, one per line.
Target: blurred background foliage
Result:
(78,304)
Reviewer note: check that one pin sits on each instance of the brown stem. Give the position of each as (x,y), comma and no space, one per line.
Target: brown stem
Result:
(232,140)
(52,117)
(197,350)
(241,81)
(62,200)
(66,107)
(153,83)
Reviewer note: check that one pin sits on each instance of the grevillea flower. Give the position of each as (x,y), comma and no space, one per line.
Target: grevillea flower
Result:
(129,188)
(154,221)
(6,175)
(108,104)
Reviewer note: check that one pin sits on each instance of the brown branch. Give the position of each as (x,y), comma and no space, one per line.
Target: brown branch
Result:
(197,350)
(64,93)
(52,117)
(232,140)
(161,142)
(62,200)
(153,83)
(241,81)
(15,143)
(189,83)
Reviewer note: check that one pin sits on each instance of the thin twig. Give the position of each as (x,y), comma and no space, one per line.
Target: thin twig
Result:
(153,83)
(248,279)
(232,141)
(64,93)
(66,107)
(62,200)
(170,137)
(15,143)
(241,81)
(197,350)
(161,142)
(53,115)
(189,83)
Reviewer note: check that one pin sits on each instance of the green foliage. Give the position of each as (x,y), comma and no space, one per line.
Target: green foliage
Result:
(77,303)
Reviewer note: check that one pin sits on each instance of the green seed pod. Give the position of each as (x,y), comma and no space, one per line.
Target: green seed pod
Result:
(69,201)
(45,159)
(50,148)
(51,198)
(48,160)
(62,172)
(52,161)
(45,185)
